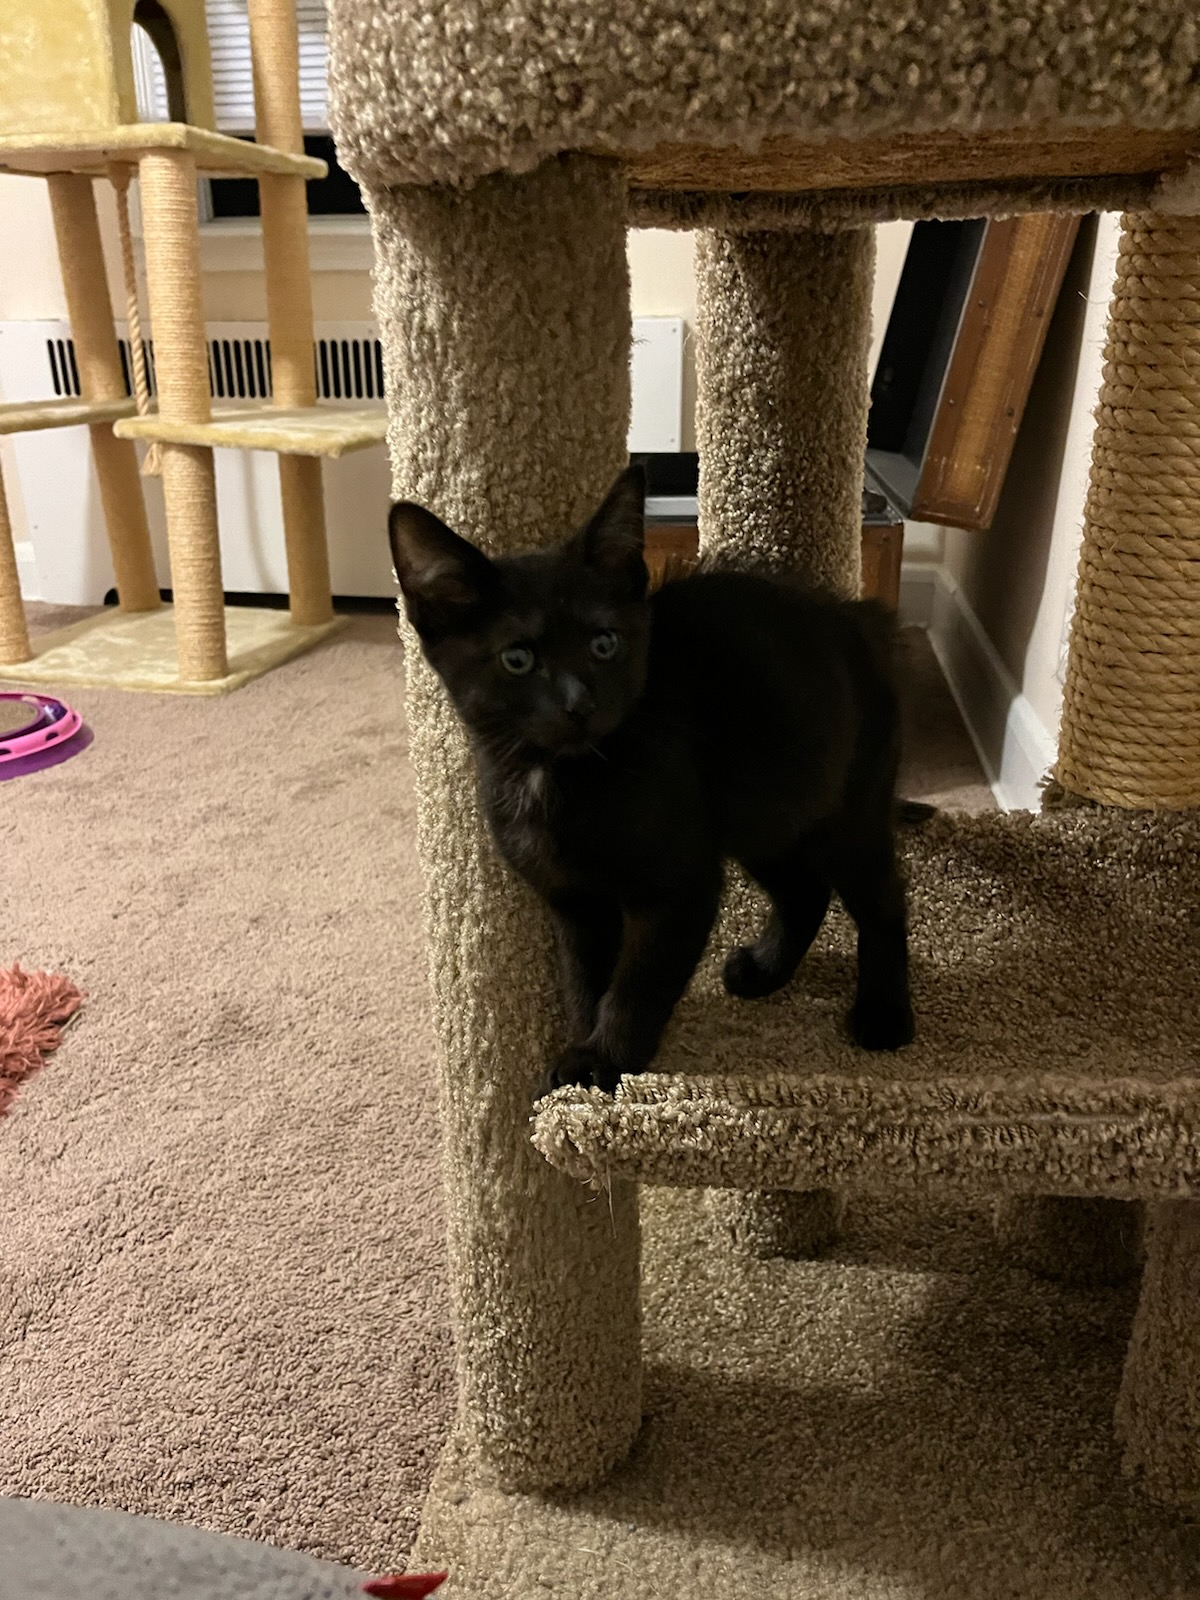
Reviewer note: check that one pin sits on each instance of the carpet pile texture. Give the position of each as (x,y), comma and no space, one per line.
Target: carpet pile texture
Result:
(451,94)
(221,1260)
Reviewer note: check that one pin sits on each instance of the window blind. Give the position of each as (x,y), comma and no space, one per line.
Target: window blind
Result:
(233,82)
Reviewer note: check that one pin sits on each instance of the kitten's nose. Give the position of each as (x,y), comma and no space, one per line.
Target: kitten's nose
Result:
(577,697)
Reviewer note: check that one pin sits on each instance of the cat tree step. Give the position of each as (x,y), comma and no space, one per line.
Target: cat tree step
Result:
(217,155)
(320,430)
(32,416)
(1056,979)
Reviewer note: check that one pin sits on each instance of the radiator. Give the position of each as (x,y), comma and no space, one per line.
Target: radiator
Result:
(62,550)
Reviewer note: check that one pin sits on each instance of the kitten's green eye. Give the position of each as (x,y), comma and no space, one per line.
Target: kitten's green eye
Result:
(605,645)
(517,659)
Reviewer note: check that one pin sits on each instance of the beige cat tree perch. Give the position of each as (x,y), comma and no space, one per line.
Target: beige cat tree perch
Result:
(502,153)
(68,113)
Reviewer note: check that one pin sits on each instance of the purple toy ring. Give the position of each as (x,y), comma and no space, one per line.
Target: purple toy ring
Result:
(32,726)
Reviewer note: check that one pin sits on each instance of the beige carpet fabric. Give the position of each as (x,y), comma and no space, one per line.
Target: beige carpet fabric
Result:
(908,1419)
(222,1285)
(1055,969)
(436,94)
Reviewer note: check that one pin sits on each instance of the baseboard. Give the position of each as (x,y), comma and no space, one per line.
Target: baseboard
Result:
(27,572)
(918,581)
(1015,748)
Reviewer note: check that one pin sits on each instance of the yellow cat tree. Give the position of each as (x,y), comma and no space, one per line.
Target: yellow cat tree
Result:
(68,114)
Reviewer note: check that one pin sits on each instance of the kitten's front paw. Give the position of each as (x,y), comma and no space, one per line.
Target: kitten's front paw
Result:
(584,1066)
(745,975)
(883,1024)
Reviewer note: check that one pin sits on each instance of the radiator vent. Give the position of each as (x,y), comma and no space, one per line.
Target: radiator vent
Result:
(240,368)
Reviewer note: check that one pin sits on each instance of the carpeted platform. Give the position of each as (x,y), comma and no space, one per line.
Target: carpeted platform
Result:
(1055,968)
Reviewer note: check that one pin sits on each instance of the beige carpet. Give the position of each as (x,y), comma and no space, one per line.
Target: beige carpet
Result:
(222,1293)
(221,1290)
(911,1420)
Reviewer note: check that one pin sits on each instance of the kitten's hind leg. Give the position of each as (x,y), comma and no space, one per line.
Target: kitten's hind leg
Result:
(800,898)
(872,890)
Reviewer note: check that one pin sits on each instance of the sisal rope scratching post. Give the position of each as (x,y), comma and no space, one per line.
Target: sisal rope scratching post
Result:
(14,633)
(504,314)
(1131,706)
(168,192)
(101,377)
(1130,731)
(784,328)
(274,44)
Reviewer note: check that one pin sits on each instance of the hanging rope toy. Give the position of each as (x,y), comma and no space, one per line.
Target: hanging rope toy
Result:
(118,176)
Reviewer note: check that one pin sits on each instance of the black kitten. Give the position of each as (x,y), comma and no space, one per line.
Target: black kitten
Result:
(628,745)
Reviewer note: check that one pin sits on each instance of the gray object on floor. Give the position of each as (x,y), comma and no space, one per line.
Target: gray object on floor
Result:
(55,1552)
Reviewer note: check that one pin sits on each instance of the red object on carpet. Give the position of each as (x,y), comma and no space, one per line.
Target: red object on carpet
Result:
(35,1007)
(405,1585)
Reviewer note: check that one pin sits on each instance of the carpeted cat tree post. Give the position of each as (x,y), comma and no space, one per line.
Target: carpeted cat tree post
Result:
(509,404)
(784,321)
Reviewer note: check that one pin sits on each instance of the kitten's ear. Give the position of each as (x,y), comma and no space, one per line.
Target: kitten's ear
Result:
(442,576)
(613,542)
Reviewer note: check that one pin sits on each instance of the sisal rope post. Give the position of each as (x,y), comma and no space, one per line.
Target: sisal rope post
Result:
(1131,705)
(14,633)
(274,48)
(168,186)
(784,322)
(101,377)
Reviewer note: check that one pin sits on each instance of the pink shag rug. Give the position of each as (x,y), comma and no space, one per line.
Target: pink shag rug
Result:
(35,1007)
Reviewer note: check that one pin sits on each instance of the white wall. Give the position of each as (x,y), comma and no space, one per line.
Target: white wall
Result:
(1002,608)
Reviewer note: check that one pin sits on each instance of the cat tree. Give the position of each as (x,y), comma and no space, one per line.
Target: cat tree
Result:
(68,113)
(502,156)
